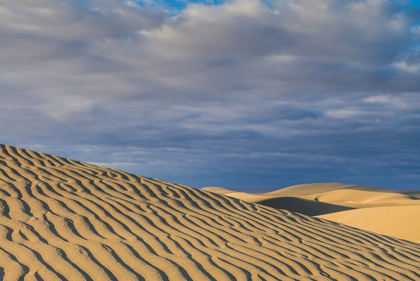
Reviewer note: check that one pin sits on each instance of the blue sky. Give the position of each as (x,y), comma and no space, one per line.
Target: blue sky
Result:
(239,94)
(171,5)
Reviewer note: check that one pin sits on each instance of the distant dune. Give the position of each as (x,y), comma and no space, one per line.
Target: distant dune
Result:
(66,220)
(390,212)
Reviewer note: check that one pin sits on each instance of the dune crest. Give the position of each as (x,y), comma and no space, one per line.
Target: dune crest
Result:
(66,220)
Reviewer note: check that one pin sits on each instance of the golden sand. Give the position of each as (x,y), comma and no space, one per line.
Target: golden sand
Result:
(65,220)
(390,212)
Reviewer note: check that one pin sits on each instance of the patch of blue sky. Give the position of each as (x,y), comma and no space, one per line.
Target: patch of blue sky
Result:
(182,4)
(407,3)
(173,6)
(415,2)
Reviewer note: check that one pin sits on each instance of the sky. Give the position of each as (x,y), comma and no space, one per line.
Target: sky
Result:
(243,94)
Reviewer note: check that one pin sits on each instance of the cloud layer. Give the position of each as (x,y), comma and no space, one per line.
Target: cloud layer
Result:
(244,93)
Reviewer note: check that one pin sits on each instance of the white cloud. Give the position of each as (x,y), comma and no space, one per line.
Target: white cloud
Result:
(377,99)
(343,113)
(410,68)
(284,78)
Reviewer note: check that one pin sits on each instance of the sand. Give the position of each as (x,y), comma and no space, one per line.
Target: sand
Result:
(66,220)
(390,212)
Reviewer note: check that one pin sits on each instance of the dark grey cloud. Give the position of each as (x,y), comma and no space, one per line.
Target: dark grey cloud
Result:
(241,94)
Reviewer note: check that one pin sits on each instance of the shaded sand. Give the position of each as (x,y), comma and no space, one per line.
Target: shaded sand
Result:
(390,212)
(66,220)
(303,206)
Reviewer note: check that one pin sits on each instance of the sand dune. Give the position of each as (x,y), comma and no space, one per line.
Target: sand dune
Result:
(397,221)
(390,212)
(65,220)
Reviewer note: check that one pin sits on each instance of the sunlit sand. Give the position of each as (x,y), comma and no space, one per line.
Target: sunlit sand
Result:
(66,220)
(390,212)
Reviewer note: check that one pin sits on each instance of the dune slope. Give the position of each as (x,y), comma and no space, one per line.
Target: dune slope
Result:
(66,220)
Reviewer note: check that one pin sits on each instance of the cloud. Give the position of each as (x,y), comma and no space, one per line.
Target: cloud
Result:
(239,93)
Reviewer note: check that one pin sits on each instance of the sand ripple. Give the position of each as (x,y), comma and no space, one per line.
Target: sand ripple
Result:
(66,220)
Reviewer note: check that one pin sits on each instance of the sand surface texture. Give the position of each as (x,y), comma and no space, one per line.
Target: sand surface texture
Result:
(66,220)
(390,212)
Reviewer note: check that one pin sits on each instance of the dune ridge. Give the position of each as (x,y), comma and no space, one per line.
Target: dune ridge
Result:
(389,212)
(66,220)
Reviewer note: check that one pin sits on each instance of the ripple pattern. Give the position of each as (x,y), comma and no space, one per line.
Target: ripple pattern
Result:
(66,220)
